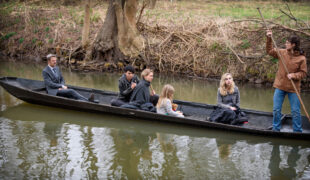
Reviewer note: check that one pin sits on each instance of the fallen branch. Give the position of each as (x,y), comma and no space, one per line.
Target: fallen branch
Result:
(242,29)
(291,29)
(165,39)
(246,57)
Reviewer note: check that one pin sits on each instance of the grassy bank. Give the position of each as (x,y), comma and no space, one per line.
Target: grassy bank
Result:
(197,38)
(177,12)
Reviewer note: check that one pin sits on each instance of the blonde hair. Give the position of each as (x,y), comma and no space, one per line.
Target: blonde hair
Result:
(166,93)
(146,72)
(224,89)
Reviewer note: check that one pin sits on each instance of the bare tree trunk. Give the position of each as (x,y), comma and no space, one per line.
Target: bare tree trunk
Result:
(118,38)
(130,42)
(85,32)
(105,40)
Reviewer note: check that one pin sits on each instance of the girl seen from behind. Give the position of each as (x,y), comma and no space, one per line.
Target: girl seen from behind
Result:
(164,105)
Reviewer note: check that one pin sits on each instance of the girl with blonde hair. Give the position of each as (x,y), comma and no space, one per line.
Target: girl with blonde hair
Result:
(228,95)
(164,105)
(228,102)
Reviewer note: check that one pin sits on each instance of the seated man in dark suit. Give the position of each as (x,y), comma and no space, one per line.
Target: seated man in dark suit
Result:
(55,83)
(126,85)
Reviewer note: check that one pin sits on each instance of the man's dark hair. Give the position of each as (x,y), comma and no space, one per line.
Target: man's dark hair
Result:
(49,56)
(129,68)
(294,39)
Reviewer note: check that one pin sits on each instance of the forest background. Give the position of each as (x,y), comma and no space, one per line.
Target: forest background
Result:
(200,38)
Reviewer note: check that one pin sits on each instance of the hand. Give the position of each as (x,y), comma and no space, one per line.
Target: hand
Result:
(290,76)
(64,87)
(174,106)
(233,108)
(133,85)
(153,93)
(269,33)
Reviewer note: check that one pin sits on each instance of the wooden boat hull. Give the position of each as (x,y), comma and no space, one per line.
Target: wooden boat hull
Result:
(33,91)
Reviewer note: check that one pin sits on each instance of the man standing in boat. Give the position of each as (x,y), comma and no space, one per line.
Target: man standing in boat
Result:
(294,60)
(55,83)
(126,85)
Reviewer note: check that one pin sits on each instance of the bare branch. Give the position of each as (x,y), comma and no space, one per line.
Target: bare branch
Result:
(277,24)
(144,4)
(291,16)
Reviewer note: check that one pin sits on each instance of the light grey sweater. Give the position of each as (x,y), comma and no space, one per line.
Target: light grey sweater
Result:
(225,101)
(166,108)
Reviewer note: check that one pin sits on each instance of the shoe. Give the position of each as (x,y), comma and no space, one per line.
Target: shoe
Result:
(92,98)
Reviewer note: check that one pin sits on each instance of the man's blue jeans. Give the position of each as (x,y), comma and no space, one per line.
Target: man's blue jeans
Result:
(278,99)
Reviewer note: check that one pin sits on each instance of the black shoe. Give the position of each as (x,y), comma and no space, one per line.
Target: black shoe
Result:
(92,98)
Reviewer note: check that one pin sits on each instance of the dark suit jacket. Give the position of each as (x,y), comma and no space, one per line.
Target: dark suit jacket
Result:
(52,82)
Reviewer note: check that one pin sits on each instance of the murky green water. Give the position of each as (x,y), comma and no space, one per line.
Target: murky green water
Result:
(38,142)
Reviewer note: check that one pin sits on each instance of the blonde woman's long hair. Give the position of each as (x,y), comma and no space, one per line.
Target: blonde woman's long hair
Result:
(224,89)
(166,93)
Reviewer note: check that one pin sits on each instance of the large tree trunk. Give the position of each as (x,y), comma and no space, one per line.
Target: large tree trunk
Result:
(85,32)
(118,38)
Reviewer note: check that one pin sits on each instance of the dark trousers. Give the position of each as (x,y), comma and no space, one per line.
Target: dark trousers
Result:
(118,102)
(70,93)
(154,99)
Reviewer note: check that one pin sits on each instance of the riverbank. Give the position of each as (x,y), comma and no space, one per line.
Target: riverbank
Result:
(201,39)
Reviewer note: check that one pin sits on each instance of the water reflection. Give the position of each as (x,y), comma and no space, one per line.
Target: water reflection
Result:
(41,142)
(103,149)
(38,142)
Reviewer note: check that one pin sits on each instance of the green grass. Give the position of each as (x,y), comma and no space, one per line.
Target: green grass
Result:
(7,8)
(95,17)
(8,35)
(245,44)
(51,40)
(197,10)
(47,29)
(215,46)
(21,40)
(34,40)
(274,60)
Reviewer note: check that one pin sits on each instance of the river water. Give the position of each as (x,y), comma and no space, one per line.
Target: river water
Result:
(38,142)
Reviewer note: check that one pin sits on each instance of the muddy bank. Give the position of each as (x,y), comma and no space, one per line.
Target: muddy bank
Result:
(202,49)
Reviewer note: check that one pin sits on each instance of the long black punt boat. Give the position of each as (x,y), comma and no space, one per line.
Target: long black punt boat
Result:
(33,91)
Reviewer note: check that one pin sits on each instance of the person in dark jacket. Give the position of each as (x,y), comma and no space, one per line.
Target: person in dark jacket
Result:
(141,97)
(55,83)
(228,102)
(126,85)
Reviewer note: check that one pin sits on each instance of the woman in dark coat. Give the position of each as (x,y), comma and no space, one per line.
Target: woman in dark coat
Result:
(141,97)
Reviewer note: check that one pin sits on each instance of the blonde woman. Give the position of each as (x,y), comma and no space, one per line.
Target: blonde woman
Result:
(228,95)
(164,105)
(228,102)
